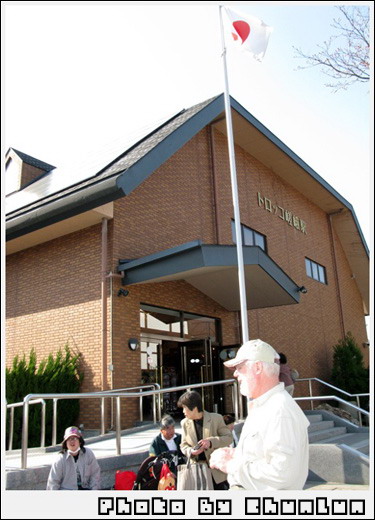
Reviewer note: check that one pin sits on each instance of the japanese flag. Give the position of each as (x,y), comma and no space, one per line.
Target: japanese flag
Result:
(250,33)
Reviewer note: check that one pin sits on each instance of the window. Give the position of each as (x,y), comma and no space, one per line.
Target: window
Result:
(149,355)
(250,237)
(170,322)
(315,271)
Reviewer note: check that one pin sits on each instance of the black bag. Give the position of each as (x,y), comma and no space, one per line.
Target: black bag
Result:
(148,475)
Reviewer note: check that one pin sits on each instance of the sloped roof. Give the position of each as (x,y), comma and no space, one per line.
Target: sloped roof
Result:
(103,187)
(130,169)
(28,159)
(212,269)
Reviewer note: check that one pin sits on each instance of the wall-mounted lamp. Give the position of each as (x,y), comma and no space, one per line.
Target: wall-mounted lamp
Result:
(122,292)
(228,354)
(366,344)
(133,343)
(302,289)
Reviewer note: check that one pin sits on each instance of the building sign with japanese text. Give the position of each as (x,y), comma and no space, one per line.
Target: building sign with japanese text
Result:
(282,213)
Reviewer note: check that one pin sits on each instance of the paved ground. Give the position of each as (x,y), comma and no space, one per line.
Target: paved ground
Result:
(312,486)
(132,441)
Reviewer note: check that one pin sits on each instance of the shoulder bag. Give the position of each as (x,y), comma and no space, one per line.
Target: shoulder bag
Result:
(193,476)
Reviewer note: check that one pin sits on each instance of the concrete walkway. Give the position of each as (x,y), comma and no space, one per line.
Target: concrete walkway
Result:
(135,443)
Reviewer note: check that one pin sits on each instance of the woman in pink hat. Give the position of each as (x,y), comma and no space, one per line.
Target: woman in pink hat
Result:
(76,467)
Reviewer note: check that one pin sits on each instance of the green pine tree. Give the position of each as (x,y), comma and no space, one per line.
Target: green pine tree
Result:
(349,372)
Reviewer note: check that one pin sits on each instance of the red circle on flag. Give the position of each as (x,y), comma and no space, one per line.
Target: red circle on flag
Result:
(243,29)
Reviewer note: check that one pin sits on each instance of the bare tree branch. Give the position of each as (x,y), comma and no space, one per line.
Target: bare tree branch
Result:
(345,56)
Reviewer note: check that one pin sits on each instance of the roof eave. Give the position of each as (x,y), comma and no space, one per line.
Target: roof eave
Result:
(63,208)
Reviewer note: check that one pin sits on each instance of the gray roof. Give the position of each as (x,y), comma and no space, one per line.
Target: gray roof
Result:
(130,169)
(121,163)
(28,159)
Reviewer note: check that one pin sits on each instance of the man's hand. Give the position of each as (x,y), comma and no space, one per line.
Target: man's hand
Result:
(221,457)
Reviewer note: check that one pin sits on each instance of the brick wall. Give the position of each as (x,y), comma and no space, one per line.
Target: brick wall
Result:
(168,209)
(54,289)
(53,299)
(29,173)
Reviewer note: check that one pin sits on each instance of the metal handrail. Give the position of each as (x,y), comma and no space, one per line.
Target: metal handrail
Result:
(117,395)
(333,397)
(102,414)
(12,406)
(141,388)
(357,396)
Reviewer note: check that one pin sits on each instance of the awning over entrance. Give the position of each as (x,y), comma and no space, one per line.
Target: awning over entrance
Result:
(212,269)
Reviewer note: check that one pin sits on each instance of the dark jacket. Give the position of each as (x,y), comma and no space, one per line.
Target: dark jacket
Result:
(158,446)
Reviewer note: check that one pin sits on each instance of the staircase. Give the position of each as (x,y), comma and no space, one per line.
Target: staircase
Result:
(339,450)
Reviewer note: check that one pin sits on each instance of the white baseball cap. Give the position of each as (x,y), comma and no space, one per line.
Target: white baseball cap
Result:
(253,350)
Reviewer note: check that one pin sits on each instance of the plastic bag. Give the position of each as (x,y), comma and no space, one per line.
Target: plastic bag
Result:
(167,479)
(125,479)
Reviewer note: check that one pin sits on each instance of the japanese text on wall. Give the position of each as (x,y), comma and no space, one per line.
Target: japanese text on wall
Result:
(282,213)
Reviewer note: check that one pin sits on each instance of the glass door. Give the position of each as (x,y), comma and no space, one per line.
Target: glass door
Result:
(169,374)
(197,368)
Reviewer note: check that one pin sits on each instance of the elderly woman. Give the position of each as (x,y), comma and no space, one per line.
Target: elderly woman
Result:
(168,439)
(202,433)
(76,467)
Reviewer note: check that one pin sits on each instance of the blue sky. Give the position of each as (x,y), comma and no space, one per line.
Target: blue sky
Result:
(83,81)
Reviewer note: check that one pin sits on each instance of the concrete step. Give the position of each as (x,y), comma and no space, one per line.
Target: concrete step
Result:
(357,441)
(328,433)
(321,425)
(363,447)
(314,418)
(350,439)
(338,451)
(90,433)
(338,463)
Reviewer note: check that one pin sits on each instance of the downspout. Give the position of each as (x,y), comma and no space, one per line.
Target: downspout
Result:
(338,293)
(112,275)
(104,301)
(105,276)
(215,188)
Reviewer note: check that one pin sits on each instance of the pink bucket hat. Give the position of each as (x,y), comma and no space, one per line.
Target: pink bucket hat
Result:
(72,431)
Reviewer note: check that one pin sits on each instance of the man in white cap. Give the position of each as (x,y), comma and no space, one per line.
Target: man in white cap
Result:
(273,451)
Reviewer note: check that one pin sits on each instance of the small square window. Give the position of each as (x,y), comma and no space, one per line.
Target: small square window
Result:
(315,271)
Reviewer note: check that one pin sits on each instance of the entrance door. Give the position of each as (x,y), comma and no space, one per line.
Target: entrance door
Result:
(197,368)
(183,364)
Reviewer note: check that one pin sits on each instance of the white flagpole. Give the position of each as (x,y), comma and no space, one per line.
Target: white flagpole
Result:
(233,175)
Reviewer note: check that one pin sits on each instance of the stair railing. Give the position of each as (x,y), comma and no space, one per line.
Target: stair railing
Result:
(335,398)
(156,409)
(102,407)
(12,406)
(357,396)
(117,395)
